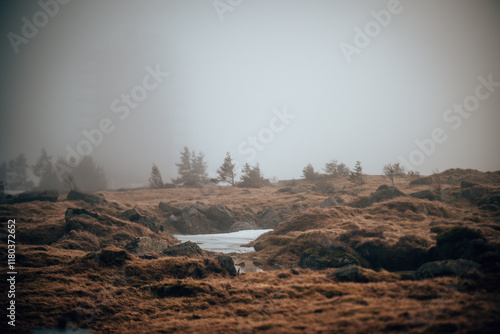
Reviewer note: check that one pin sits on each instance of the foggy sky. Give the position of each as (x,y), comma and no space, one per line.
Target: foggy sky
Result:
(228,78)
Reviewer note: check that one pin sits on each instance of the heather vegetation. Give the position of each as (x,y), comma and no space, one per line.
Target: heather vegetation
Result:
(341,255)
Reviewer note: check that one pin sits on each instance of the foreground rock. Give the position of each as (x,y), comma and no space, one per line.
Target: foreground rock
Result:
(460,242)
(75,195)
(324,187)
(350,273)
(31,196)
(221,216)
(334,256)
(383,193)
(110,256)
(227,263)
(451,268)
(268,218)
(424,194)
(166,207)
(200,219)
(474,194)
(422,181)
(187,248)
(134,216)
(146,247)
(329,202)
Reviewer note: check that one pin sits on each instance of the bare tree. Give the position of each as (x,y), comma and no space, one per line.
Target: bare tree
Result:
(393,170)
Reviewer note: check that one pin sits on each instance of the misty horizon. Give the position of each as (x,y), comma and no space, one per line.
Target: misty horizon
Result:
(282,84)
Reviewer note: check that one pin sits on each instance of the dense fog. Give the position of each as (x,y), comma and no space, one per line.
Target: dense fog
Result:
(279,83)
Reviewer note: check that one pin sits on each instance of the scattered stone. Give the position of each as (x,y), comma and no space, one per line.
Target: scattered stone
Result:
(285,190)
(465,184)
(474,194)
(334,256)
(329,202)
(451,180)
(258,246)
(339,200)
(221,216)
(187,248)
(31,196)
(457,243)
(284,275)
(134,216)
(169,209)
(226,262)
(362,202)
(75,195)
(424,194)
(423,209)
(200,207)
(110,256)
(385,192)
(422,181)
(324,187)
(445,268)
(490,200)
(299,207)
(146,245)
(72,213)
(349,273)
(193,221)
(268,218)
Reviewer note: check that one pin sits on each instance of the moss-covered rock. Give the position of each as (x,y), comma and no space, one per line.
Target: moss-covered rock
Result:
(334,256)
(459,242)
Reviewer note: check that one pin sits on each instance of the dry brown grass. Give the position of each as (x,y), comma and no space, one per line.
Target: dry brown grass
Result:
(63,280)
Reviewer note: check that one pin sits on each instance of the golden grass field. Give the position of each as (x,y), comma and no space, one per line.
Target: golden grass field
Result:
(84,278)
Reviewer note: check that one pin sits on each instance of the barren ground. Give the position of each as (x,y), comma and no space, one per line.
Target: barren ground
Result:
(84,279)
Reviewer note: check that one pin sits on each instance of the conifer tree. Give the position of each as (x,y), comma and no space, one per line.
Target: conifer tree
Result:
(226,170)
(155,180)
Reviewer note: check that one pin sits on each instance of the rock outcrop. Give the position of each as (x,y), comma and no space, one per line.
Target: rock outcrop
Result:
(134,216)
(75,195)
(147,247)
(31,196)
(329,202)
(383,193)
(445,268)
(227,263)
(187,248)
(422,181)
